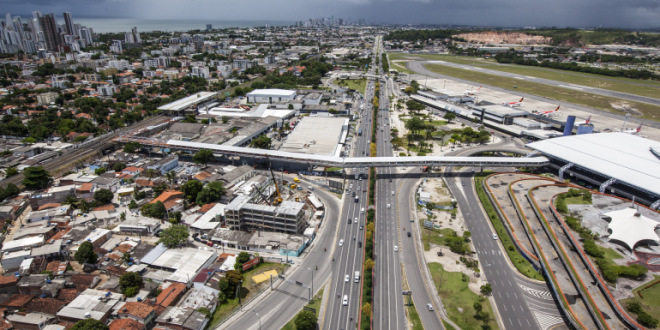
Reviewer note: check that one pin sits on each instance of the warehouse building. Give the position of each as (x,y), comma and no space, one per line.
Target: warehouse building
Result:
(190,104)
(270,95)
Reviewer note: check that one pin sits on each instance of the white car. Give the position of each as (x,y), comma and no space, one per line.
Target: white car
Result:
(388,206)
(347,278)
(494,236)
(430,307)
(345,302)
(396,248)
(341,242)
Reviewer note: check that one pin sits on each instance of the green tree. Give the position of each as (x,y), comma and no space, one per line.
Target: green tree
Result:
(151,173)
(305,320)
(262,142)
(174,236)
(130,280)
(449,116)
(225,119)
(234,279)
(222,297)
(89,324)
(29,140)
(118,167)
(36,177)
(85,253)
(415,125)
(11,171)
(157,210)
(103,196)
(191,188)
(212,192)
(99,171)
(486,289)
(159,189)
(203,156)
(131,147)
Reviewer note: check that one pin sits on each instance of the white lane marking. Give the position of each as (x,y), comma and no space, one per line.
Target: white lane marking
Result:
(546,320)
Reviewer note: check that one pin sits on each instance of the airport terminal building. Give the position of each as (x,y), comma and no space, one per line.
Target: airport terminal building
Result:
(618,163)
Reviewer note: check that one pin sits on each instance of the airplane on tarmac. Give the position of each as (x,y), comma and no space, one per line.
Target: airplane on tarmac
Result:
(632,130)
(514,104)
(588,121)
(471,92)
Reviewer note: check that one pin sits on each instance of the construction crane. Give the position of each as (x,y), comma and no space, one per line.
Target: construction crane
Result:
(279,199)
(261,194)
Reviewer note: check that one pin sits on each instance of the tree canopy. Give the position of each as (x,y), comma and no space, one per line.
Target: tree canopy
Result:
(203,156)
(36,177)
(191,189)
(85,253)
(89,324)
(130,282)
(174,236)
(212,192)
(103,196)
(306,320)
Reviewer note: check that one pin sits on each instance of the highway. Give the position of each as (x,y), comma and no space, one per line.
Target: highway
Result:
(419,68)
(388,309)
(522,303)
(348,257)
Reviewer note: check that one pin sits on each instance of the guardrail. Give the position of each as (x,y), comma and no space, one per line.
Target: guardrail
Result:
(590,304)
(592,270)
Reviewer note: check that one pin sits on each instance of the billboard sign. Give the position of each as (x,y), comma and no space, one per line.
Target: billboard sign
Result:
(250,263)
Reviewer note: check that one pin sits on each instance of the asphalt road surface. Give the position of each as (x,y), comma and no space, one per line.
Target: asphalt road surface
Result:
(348,258)
(419,68)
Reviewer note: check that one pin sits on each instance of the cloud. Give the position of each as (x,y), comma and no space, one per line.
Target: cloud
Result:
(561,13)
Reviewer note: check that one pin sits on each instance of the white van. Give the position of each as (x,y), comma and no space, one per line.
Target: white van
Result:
(357,276)
(362,210)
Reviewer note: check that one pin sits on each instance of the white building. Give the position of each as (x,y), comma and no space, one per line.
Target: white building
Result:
(201,71)
(106,90)
(270,95)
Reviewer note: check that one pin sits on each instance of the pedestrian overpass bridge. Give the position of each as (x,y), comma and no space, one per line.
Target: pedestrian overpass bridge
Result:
(351,162)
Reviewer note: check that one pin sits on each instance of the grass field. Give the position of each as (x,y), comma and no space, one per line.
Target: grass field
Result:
(315,303)
(414,317)
(576,200)
(521,264)
(647,111)
(647,88)
(359,85)
(433,236)
(651,301)
(248,289)
(611,253)
(455,294)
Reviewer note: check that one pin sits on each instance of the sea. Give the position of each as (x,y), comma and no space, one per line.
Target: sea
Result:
(105,24)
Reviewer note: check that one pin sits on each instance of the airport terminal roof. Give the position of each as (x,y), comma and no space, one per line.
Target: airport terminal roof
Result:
(186,102)
(625,157)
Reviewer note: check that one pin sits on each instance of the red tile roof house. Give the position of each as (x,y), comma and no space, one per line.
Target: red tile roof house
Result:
(170,294)
(138,311)
(130,172)
(173,200)
(126,324)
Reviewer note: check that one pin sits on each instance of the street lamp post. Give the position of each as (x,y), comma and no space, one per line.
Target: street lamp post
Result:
(259,319)
(312,280)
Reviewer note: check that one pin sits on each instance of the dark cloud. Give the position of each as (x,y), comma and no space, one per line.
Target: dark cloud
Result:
(561,13)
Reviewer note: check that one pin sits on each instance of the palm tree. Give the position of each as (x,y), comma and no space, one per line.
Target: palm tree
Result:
(150,173)
(171,176)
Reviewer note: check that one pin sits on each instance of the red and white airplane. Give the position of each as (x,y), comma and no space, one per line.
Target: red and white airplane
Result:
(633,130)
(551,111)
(588,121)
(513,104)
(472,92)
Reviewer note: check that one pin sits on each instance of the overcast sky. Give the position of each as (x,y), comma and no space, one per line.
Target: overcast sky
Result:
(560,13)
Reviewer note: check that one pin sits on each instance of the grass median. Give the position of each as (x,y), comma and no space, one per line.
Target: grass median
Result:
(458,299)
(359,85)
(520,262)
(606,103)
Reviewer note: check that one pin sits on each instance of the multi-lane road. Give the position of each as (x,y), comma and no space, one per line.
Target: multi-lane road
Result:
(348,258)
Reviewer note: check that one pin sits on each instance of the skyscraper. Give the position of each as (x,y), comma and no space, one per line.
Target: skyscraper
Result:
(68,23)
(132,37)
(49,28)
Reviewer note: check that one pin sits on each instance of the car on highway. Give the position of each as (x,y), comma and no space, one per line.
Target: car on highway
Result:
(361,227)
(392,192)
(388,206)
(429,306)
(409,234)
(347,278)
(350,221)
(494,236)
(341,242)
(396,248)
(345,301)
(359,244)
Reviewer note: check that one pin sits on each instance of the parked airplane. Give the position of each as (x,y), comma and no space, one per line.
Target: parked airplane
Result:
(471,92)
(633,130)
(514,104)
(588,121)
